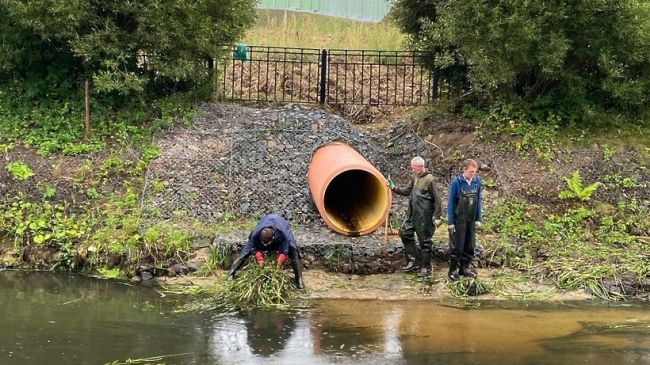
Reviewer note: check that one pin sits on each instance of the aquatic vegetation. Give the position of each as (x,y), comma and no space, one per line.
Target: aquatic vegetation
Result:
(147,360)
(259,286)
(467,286)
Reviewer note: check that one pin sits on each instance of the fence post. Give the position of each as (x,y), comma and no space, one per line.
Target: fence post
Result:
(323,77)
(436,83)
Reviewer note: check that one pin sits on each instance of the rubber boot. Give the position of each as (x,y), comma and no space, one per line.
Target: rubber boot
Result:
(425,264)
(296,265)
(411,258)
(453,269)
(465,270)
(241,260)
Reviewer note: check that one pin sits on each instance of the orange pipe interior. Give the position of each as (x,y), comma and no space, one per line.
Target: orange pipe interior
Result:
(350,194)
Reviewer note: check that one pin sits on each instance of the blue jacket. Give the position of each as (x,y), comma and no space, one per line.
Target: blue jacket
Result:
(458,185)
(283,236)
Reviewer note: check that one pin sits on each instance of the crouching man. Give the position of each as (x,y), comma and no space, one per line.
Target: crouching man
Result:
(271,234)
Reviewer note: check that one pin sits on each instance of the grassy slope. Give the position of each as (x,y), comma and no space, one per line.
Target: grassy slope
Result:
(318,31)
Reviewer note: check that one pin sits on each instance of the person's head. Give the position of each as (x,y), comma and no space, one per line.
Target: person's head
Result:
(417,165)
(470,167)
(267,235)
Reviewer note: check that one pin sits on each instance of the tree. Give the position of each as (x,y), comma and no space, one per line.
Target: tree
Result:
(593,51)
(123,46)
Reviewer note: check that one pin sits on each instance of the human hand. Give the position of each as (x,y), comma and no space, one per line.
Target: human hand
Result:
(390,183)
(259,257)
(477,224)
(451,228)
(437,222)
(281,259)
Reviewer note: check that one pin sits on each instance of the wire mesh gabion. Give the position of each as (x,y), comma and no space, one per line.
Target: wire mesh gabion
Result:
(249,162)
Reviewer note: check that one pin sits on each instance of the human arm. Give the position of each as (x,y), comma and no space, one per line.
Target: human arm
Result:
(479,192)
(437,206)
(404,191)
(451,201)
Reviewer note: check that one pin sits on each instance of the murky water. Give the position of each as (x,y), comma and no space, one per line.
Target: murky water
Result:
(66,319)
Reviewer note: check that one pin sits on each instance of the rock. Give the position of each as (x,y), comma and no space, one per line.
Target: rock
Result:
(200,243)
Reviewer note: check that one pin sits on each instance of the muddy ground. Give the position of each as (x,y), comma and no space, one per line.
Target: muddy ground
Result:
(406,286)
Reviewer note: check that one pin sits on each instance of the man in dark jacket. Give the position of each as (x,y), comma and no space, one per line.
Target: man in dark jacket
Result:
(271,234)
(463,217)
(423,212)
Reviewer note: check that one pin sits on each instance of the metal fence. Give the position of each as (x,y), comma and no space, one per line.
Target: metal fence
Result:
(305,75)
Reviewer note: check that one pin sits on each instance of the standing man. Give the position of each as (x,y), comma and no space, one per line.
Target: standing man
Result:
(423,212)
(463,217)
(271,234)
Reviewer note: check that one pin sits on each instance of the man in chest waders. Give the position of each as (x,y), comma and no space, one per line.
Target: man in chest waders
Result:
(423,212)
(463,217)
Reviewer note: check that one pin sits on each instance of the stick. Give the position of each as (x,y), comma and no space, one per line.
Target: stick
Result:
(385,253)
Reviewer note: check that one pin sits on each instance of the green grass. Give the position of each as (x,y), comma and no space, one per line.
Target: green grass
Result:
(318,31)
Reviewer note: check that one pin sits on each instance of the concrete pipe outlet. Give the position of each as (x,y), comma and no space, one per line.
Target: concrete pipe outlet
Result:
(350,194)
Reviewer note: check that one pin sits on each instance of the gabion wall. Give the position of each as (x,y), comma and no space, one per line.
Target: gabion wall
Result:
(249,162)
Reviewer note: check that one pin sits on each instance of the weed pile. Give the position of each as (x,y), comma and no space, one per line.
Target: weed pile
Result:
(264,286)
(468,287)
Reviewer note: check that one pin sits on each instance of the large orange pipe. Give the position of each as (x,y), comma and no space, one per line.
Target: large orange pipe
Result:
(350,194)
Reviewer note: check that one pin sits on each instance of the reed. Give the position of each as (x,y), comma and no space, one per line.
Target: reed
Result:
(467,286)
(318,31)
(259,286)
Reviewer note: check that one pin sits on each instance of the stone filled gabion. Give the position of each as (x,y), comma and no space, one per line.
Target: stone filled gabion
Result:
(249,162)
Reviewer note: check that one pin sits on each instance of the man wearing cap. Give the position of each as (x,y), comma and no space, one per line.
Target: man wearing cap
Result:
(271,234)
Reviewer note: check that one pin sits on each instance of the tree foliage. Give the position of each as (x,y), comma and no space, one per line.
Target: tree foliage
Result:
(586,52)
(124,46)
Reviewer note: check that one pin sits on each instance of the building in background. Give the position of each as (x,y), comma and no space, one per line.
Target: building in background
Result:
(362,10)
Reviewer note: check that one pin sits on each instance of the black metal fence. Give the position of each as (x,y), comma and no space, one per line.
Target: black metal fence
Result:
(307,75)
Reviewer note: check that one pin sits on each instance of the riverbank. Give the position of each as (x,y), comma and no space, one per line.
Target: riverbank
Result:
(569,216)
(504,285)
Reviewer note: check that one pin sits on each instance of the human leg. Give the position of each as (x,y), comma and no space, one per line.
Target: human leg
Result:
(424,233)
(296,265)
(241,260)
(407,235)
(469,245)
(456,244)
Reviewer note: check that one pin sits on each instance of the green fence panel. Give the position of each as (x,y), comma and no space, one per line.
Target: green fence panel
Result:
(363,10)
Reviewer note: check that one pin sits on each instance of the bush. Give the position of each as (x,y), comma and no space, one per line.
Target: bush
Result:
(584,53)
(49,47)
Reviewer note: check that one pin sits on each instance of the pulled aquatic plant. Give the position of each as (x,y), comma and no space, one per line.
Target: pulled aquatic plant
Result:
(259,286)
(467,286)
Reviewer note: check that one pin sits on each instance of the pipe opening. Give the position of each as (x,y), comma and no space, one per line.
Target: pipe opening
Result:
(355,201)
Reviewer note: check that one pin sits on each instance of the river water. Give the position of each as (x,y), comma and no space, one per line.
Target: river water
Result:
(69,319)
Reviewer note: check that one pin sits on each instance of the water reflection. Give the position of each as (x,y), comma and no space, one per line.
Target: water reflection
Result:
(59,319)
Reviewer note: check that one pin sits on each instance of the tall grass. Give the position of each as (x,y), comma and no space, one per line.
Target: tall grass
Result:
(318,31)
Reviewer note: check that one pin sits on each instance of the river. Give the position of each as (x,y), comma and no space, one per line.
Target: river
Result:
(71,319)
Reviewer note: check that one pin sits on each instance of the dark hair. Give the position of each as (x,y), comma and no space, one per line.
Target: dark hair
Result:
(267,234)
